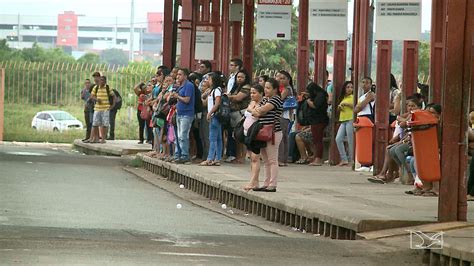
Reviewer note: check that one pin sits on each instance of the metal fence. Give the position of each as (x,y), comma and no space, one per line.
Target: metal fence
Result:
(31,87)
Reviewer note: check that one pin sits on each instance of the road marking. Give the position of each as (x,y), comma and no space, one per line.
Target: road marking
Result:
(24,153)
(200,255)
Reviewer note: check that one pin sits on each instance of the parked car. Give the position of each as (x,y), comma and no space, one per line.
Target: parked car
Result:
(55,121)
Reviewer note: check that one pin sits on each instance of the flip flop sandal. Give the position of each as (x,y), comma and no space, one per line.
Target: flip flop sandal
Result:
(206,163)
(301,162)
(376,180)
(216,163)
(429,194)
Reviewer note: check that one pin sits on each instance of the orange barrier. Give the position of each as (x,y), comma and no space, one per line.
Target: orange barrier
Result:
(364,136)
(425,145)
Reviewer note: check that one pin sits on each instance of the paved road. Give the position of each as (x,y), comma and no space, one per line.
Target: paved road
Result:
(58,206)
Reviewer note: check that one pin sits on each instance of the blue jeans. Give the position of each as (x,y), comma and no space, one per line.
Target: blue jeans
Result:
(215,140)
(345,129)
(184,124)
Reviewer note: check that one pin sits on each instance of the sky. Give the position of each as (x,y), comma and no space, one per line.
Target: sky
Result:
(121,8)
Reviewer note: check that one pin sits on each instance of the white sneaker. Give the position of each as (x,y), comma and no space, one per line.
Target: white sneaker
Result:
(230,159)
(363,169)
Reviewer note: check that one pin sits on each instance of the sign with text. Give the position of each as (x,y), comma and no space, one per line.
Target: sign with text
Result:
(274,19)
(398,20)
(327,20)
(204,43)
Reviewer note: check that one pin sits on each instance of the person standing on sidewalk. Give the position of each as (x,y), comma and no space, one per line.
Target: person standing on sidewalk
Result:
(346,129)
(317,99)
(287,90)
(88,107)
(234,67)
(185,115)
(102,107)
(269,113)
(94,135)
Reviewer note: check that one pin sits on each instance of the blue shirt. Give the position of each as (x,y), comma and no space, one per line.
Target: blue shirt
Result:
(156,91)
(187,90)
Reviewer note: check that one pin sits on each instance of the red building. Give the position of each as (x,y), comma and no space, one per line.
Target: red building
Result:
(67,29)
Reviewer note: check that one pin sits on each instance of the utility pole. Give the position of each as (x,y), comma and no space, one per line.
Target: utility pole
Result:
(132,30)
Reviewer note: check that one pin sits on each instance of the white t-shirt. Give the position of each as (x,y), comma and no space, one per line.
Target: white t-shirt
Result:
(210,99)
(368,108)
(230,82)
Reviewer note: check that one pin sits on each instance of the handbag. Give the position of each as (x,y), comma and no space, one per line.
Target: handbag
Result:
(290,103)
(266,134)
(145,113)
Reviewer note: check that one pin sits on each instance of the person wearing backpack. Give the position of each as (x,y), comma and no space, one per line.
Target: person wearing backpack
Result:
(101,94)
(214,97)
(196,143)
(239,98)
(113,112)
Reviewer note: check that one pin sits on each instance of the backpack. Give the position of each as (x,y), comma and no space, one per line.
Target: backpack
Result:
(118,103)
(302,113)
(197,100)
(223,113)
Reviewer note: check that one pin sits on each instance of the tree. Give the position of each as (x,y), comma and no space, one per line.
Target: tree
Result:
(424,59)
(89,58)
(114,57)
(277,54)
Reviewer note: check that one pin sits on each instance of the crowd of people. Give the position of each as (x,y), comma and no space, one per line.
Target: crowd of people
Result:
(205,118)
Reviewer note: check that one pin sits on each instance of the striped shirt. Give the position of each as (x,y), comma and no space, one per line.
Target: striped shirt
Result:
(274,115)
(102,103)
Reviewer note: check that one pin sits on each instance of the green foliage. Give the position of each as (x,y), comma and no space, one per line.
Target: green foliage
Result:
(424,59)
(277,54)
(89,58)
(114,57)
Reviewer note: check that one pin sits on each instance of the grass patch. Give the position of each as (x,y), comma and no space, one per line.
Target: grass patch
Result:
(18,117)
(136,162)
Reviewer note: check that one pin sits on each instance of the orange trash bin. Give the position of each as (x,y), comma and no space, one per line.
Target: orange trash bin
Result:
(424,137)
(364,134)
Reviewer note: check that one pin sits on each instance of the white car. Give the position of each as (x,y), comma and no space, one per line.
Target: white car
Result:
(55,121)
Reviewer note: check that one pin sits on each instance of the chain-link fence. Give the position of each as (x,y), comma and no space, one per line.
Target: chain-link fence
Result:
(34,87)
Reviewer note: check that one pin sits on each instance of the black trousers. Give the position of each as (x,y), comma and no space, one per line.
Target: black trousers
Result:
(112,115)
(197,138)
(470,182)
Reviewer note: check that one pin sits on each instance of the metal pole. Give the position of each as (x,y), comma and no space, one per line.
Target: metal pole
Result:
(382,95)
(249,9)
(2,101)
(188,32)
(168,33)
(320,63)
(303,46)
(216,20)
(132,29)
(236,37)
(456,86)
(339,77)
(410,69)
(225,40)
(437,51)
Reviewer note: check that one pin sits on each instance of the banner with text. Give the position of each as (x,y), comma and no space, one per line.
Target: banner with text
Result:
(398,20)
(327,20)
(204,43)
(274,19)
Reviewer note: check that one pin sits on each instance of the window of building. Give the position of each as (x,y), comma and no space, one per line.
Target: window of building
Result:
(122,41)
(6,27)
(109,29)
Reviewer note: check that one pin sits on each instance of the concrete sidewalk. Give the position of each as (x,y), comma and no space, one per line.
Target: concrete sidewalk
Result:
(335,192)
(112,147)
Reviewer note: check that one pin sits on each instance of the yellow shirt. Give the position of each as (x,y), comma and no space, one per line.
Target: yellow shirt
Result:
(102,103)
(346,112)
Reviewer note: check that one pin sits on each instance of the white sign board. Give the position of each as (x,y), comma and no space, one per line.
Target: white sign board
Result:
(204,43)
(274,19)
(398,20)
(327,20)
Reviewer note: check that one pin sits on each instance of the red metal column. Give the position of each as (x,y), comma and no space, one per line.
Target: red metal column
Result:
(456,90)
(205,10)
(384,62)
(236,36)
(437,51)
(410,68)
(339,77)
(303,46)
(355,46)
(470,25)
(168,33)
(216,21)
(363,38)
(249,9)
(225,40)
(188,33)
(320,61)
